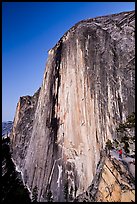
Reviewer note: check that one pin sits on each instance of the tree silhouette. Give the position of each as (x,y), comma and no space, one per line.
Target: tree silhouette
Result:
(108,146)
(49,196)
(35,194)
(126,147)
(125,131)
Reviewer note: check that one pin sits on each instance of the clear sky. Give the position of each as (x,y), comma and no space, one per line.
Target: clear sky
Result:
(29,30)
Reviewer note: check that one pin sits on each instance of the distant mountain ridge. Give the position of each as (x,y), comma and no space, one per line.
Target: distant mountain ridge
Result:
(6,127)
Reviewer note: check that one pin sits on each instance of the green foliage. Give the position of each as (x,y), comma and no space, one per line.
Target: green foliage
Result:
(121,128)
(129,123)
(35,194)
(124,131)
(115,143)
(126,147)
(109,144)
(124,139)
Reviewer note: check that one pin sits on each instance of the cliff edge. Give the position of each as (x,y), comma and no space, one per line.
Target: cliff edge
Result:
(87,90)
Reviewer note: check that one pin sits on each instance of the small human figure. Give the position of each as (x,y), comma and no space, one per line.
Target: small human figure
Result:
(120,153)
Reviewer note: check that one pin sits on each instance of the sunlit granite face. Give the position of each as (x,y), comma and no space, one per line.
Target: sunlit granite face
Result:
(113,182)
(87,89)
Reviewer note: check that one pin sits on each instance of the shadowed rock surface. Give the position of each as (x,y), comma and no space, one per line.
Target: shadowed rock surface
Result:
(13,190)
(22,127)
(87,89)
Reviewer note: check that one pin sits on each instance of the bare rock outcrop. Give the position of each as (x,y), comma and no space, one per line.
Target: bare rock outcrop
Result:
(22,127)
(113,182)
(87,89)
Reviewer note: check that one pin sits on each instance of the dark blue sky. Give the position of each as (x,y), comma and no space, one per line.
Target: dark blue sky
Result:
(29,30)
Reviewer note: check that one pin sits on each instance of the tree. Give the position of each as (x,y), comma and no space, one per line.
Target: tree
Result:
(49,196)
(126,147)
(116,143)
(126,130)
(124,139)
(108,145)
(35,194)
(129,123)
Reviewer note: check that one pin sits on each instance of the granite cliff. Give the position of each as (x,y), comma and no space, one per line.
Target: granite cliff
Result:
(87,90)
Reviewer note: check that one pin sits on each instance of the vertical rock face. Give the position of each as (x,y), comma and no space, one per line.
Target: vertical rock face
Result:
(22,127)
(88,88)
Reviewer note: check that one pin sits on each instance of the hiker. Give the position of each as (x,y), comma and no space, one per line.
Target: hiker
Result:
(120,153)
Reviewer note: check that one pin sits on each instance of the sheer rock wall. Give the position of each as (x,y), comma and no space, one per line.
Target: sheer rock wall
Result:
(87,89)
